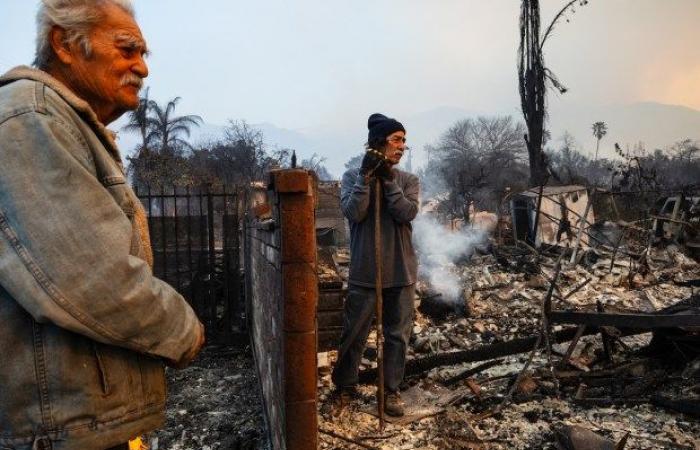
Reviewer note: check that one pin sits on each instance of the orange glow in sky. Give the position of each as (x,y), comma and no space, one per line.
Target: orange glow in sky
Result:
(682,88)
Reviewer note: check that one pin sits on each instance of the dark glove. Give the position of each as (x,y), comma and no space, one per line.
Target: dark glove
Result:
(384,171)
(371,162)
(375,163)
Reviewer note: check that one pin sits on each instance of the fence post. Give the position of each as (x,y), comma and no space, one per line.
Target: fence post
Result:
(212,260)
(300,298)
(227,316)
(163,233)
(191,273)
(177,240)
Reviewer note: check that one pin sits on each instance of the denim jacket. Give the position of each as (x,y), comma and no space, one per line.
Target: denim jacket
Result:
(84,324)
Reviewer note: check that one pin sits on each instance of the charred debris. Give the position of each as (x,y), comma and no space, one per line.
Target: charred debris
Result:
(563,330)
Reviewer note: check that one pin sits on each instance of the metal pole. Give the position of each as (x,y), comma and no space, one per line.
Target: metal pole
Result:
(581,223)
(212,258)
(379,303)
(537,215)
(177,240)
(163,234)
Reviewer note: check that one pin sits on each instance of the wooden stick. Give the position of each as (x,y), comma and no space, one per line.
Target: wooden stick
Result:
(379,299)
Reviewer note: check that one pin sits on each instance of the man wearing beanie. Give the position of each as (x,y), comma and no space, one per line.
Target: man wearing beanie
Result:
(399,205)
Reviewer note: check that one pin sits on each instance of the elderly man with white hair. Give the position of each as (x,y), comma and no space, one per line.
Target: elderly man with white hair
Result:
(85,327)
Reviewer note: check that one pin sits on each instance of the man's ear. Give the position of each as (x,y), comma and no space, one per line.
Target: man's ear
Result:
(57,38)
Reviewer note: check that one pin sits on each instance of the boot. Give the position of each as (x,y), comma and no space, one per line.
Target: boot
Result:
(393,405)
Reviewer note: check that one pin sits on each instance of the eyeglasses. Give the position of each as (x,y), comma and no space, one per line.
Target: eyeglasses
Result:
(397,139)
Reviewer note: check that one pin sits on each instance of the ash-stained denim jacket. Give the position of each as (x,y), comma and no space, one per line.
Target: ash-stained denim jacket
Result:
(84,324)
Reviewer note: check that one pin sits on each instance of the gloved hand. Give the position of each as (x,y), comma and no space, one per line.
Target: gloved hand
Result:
(384,171)
(375,163)
(371,162)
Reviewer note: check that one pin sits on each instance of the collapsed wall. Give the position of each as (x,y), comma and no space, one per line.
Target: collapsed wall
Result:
(282,295)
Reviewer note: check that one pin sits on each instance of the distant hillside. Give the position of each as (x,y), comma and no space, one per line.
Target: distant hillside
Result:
(655,124)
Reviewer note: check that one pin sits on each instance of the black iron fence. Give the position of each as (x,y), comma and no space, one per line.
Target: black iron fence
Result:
(195,235)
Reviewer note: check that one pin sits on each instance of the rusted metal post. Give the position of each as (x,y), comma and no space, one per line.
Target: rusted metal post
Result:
(379,299)
(300,297)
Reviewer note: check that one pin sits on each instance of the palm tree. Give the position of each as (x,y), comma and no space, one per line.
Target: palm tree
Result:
(165,128)
(600,129)
(138,119)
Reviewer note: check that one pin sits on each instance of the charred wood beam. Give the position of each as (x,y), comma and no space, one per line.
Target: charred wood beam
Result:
(625,320)
(482,353)
(471,372)
(687,283)
(690,406)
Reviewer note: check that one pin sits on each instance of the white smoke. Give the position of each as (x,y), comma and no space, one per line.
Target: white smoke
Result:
(439,248)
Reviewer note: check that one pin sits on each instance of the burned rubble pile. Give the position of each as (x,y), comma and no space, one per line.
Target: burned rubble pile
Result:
(517,357)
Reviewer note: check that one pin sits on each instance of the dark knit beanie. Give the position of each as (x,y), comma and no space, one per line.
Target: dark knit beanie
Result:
(381,126)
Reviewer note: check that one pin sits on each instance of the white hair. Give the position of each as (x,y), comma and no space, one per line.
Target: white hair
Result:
(76,17)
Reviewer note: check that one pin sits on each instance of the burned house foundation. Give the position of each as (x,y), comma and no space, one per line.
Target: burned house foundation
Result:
(522,348)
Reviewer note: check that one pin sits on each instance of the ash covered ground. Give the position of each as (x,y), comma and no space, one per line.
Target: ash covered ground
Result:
(589,397)
(213,404)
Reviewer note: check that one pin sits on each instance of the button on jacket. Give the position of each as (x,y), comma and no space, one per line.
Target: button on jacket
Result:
(84,324)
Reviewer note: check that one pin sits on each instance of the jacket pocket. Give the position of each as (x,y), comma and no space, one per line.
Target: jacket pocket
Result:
(102,371)
(118,372)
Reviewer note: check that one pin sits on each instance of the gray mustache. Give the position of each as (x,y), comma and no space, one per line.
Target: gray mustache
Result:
(133,80)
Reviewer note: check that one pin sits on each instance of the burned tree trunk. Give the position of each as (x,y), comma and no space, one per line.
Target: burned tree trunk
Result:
(531,76)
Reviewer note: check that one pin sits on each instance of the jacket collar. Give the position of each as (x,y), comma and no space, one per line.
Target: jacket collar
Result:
(106,135)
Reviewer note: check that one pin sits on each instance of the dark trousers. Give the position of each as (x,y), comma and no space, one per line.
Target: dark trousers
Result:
(397,312)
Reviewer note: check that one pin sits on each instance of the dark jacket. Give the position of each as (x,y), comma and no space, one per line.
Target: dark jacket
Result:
(398,208)
(84,324)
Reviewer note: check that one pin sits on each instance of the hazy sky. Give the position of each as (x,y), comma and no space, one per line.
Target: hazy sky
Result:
(306,63)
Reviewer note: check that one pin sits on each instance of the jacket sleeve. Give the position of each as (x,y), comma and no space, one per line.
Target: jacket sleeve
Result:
(65,245)
(402,204)
(354,196)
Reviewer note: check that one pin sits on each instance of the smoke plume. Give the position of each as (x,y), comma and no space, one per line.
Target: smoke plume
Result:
(439,249)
